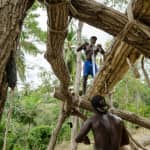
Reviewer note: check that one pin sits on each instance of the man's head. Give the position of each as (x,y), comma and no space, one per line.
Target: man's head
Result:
(93,39)
(99,104)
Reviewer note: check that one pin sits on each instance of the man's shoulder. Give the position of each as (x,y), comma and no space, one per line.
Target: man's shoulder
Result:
(115,118)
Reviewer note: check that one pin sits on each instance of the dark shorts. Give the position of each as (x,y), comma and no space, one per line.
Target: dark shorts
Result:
(88,68)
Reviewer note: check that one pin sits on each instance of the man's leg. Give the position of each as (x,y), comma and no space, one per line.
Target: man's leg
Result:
(85,75)
(84,84)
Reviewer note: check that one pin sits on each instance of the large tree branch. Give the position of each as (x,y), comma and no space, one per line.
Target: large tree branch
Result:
(128,116)
(57,31)
(113,22)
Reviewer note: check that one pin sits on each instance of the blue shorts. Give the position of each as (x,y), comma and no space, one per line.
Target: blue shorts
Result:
(88,68)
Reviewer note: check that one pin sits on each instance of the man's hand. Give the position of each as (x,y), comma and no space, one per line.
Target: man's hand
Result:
(86,43)
(83,46)
(99,45)
(86,140)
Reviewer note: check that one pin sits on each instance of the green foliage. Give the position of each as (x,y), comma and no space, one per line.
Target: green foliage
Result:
(39,137)
(31,35)
(133,95)
(70,55)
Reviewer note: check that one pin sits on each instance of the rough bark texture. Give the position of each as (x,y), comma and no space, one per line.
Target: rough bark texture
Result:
(128,116)
(141,10)
(12,14)
(114,68)
(3,95)
(57,31)
(113,22)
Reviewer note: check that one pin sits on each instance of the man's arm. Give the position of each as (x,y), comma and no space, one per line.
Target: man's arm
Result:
(83,46)
(125,137)
(82,136)
(100,49)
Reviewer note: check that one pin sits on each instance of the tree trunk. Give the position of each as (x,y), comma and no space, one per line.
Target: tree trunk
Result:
(61,120)
(114,23)
(77,88)
(12,14)
(57,31)
(3,95)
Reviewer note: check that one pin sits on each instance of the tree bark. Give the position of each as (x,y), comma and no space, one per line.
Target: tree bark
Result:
(12,15)
(3,95)
(113,22)
(61,120)
(74,145)
(57,31)
(128,116)
(141,10)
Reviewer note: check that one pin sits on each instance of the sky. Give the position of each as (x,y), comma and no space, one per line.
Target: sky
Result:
(37,64)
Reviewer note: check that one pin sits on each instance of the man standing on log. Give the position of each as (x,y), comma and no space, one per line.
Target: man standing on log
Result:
(90,67)
(108,130)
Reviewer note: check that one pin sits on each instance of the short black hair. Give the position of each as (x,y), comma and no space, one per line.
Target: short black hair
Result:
(94,37)
(99,104)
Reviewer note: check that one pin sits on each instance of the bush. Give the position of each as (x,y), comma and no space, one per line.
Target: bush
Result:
(39,137)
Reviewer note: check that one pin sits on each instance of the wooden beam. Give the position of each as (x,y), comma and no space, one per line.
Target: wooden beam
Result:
(112,22)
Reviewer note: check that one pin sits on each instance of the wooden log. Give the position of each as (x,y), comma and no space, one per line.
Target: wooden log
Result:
(57,31)
(113,22)
(128,116)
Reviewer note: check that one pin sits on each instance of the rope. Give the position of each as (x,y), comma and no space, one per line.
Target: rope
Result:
(131,23)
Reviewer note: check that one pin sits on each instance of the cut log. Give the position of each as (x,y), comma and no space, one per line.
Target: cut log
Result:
(57,31)
(113,22)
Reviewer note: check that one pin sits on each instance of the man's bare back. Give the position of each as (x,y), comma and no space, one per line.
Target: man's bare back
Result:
(108,130)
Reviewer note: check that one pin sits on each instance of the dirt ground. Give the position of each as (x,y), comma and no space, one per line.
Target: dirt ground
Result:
(139,134)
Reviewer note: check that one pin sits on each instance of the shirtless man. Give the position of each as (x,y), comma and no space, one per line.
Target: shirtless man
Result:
(108,130)
(89,49)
